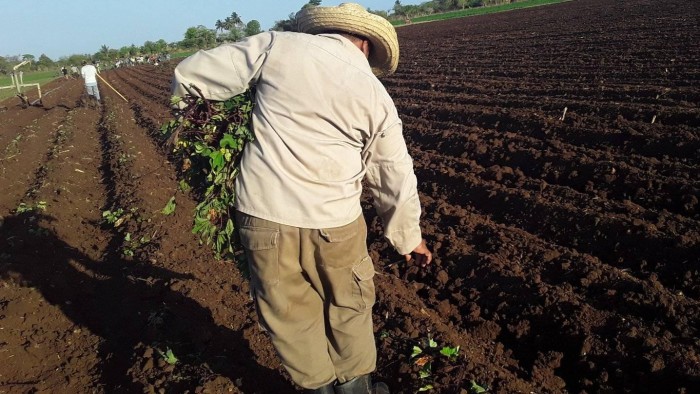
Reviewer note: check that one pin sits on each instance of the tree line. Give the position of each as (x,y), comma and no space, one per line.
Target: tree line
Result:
(229,29)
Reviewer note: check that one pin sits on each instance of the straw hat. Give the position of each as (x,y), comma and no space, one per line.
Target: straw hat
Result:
(354,19)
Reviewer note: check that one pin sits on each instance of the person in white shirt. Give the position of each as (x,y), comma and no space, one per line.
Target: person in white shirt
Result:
(89,74)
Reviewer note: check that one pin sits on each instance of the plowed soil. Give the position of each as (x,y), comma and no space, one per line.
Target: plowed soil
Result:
(557,151)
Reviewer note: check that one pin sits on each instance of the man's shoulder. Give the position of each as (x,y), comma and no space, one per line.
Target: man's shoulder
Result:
(293,36)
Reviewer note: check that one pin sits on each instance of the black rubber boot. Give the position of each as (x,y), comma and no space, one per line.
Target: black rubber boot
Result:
(380,388)
(358,385)
(327,389)
(361,385)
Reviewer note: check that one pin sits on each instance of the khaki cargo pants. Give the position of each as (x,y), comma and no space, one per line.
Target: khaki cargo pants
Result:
(314,292)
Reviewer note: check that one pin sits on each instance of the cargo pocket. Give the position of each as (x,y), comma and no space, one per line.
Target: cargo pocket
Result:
(343,246)
(363,274)
(261,248)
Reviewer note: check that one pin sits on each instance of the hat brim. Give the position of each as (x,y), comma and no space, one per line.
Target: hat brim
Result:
(354,19)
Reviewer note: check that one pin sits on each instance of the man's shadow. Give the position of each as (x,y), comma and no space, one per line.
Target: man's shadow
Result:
(132,308)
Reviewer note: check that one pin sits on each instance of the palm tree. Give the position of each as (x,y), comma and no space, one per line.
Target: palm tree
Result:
(232,22)
(236,19)
(104,51)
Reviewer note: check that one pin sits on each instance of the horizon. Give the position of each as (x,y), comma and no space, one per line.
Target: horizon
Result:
(79,28)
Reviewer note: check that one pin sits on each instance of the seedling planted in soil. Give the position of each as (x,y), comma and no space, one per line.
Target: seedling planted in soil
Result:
(113,217)
(169,356)
(423,357)
(169,207)
(24,208)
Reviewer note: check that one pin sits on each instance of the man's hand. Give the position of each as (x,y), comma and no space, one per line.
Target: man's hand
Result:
(422,254)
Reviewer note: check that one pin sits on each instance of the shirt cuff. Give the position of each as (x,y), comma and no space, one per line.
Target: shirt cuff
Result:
(404,241)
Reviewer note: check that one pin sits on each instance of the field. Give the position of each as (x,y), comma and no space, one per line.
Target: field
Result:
(477,11)
(557,151)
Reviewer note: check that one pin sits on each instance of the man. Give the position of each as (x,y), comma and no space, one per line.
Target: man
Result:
(89,74)
(322,123)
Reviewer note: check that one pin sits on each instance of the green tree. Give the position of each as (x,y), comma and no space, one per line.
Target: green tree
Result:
(233,22)
(252,28)
(149,47)
(44,63)
(381,13)
(411,10)
(161,46)
(113,54)
(28,56)
(73,60)
(289,24)
(219,25)
(231,28)
(311,3)
(124,51)
(103,54)
(198,37)
(398,8)
(4,65)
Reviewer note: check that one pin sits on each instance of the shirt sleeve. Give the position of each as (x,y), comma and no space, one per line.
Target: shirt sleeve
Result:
(393,186)
(225,71)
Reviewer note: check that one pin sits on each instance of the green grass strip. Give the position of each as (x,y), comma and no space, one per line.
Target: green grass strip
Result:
(478,11)
(40,77)
(178,55)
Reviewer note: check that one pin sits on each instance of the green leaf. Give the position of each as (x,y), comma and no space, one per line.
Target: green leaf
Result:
(229,227)
(184,186)
(169,357)
(416,351)
(475,388)
(427,387)
(227,141)
(216,160)
(169,207)
(426,371)
(450,352)
(202,149)
(432,343)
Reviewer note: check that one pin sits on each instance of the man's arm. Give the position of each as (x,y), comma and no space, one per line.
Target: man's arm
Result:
(393,186)
(225,71)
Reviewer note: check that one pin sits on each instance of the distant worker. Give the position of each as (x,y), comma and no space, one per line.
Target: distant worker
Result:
(64,71)
(89,74)
(74,71)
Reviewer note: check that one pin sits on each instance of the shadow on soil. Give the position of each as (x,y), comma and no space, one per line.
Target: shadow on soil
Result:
(131,307)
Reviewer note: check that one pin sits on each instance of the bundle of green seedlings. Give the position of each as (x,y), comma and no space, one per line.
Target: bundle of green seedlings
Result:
(208,138)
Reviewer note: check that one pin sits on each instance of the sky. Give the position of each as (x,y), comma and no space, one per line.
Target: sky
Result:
(59,28)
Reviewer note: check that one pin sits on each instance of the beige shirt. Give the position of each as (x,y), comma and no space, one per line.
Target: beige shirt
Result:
(323,123)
